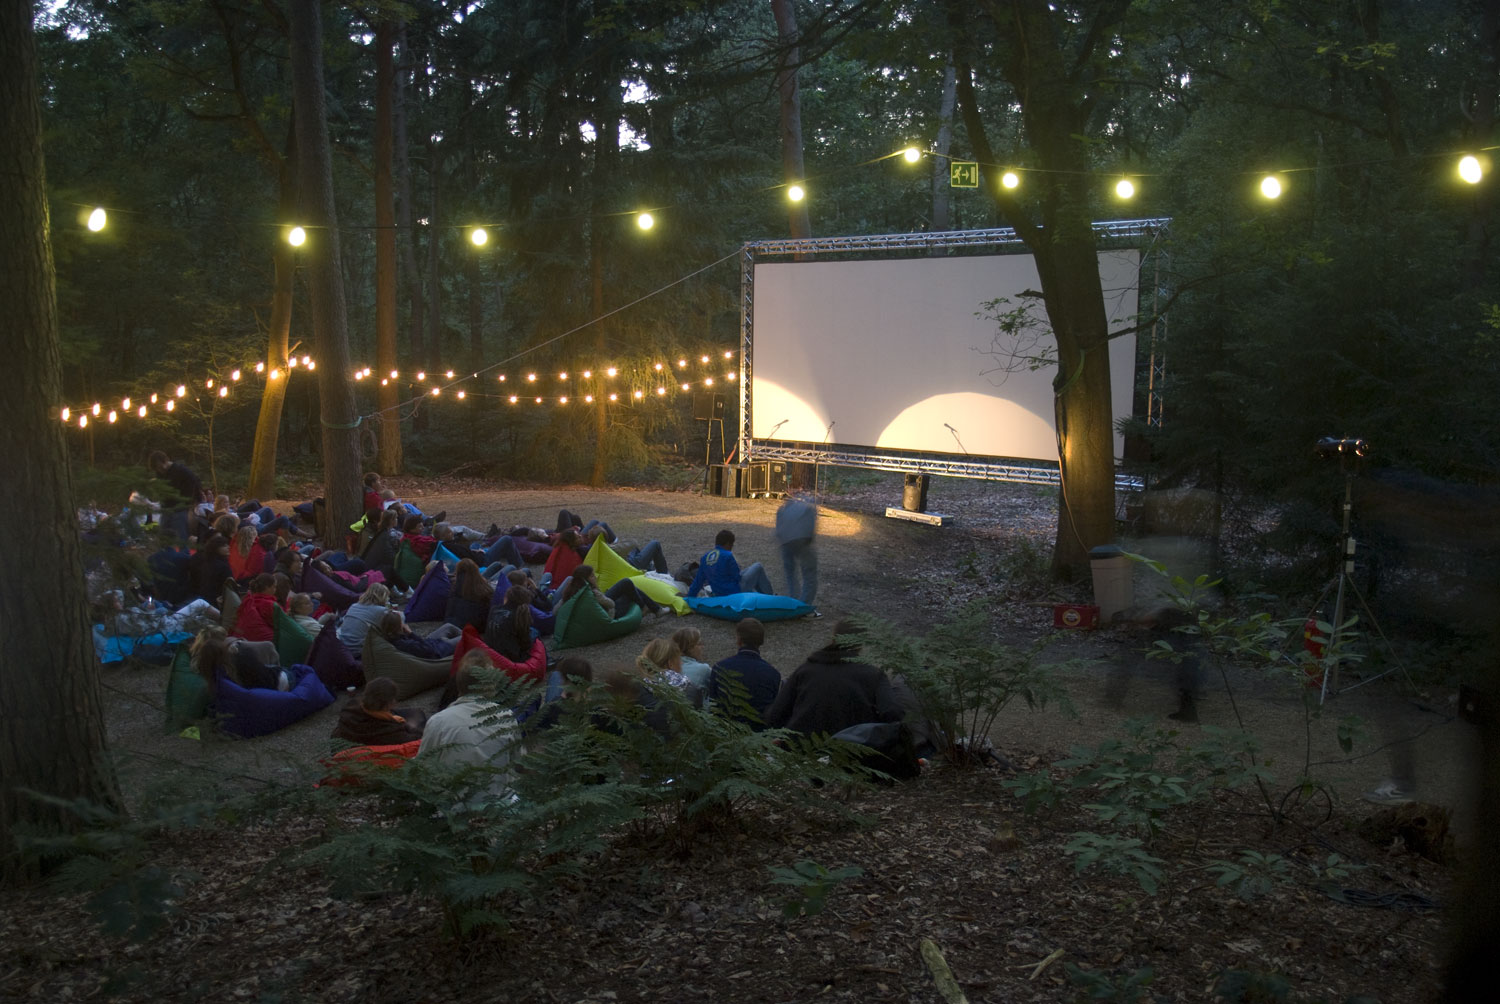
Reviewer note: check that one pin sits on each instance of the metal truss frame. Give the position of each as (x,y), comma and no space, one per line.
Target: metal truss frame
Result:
(1114,233)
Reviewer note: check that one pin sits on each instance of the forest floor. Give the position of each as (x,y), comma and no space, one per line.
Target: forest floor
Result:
(949,857)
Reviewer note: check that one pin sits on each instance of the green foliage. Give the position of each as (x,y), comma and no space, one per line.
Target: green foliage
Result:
(1129,988)
(810,883)
(1119,855)
(1252,874)
(963,678)
(1250,986)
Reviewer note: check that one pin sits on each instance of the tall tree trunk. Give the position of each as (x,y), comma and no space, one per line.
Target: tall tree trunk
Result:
(409,249)
(273,391)
(791,113)
(1482,126)
(340,433)
(51,715)
(942,188)
(434,276)
(388,392)
(606,157)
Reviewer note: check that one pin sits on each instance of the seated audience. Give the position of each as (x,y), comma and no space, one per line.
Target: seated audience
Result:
(469,598)
(760,679)
(832,690)
(661,659)
(473,731)
(257,616)
(690,643)
(362,616)
(721,573)
(213,653)
(368,719)
(437,645)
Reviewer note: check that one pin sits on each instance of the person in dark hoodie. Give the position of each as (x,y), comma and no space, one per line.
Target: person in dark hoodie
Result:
(369,719)
(832,690)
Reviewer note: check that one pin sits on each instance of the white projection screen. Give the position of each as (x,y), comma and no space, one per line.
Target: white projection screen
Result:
(893,352)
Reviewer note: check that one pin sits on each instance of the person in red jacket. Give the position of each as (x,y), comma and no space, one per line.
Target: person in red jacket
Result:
(411,532)
(257,617)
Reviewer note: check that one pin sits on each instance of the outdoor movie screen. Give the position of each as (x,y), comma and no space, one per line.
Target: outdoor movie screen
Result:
(901,355)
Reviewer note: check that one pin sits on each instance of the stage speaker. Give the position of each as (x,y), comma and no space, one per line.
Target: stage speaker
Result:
(914,493)
(709,407)
(726,481)
(768,477)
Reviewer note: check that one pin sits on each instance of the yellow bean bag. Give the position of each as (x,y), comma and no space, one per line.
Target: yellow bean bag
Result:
(611,568)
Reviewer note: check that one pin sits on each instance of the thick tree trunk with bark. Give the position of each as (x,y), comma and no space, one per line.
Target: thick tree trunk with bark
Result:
(273,392)
(791,113)
(388,392)
(434,273)
(409,247)
(51,717)
(942,187)
(340,434)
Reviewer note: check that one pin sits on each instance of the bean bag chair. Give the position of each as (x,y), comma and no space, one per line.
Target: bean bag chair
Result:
(762,606)
(229,606)
(187,693)
(247,713)
(332,661)
(335,594)
(544,621)
(156,648)
(292,640)
(169,575)
(430,601)
(560,564)
(408,564)
(410,674)
(534,665)
(532,552)
(348,766)
(447,557)
(610,568)
(582,621)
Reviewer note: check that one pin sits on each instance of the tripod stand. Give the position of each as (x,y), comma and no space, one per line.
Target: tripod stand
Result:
(1346,586)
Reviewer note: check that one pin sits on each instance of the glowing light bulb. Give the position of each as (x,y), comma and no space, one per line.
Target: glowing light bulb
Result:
(394,374)
(531,377)
(685,386)
(661,391)
(645,221)
(912,154)
(729,355)
(462,395)
(1469,169)
(479,237)
(502,377)
(729,376)
(97,219)
(703,359)
(385,381)
(682,364)
(208,384)
(796,193)
(291,363)
(562,400)
(223,391)
(1010,179)
(83,421)
(449,374)
(658,367)
(708,381)
(538,400)
(436,391)
(112,416)
(512,399)
(296,237)
(235,375)
(171,405)
(1125,188)
(614,397)
(421,375)
(588,374)
(182,390)
(66,414)
(141,411)
(96,409)
(276,374)
(260,367)
(125,404)
(359,374)
(307,361)
(1270,186)
(588,399)
(562,376)
(153,398)
(611,371)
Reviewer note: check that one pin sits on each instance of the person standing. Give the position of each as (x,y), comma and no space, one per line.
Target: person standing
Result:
(184,483)
(796,530)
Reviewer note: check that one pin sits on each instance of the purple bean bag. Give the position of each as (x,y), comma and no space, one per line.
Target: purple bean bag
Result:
(337,595)
(335,665)
(430,601)
(531,552)
(544,621)
(257,712)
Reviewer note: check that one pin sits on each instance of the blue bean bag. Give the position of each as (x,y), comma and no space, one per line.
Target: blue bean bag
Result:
(582,621)
(257,712)
(761,606)
(430,601)
(447,557)
(154,648)
(333,592)
(331,659)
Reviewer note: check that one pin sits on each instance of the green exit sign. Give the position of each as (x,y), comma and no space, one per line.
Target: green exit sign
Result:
(963,174)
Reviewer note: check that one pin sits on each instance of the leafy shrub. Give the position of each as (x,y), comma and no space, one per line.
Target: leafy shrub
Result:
(812,883)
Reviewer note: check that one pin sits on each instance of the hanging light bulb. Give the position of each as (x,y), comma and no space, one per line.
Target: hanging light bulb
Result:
(208,384)
(394,374)
(449,374)
(562,400)
(611,371)
(645,221)
(312,364)
(708,381)
(1469,169)
(112,416)
(182,390)
(421,375)
(1270,187)
(436,391)
(385,381)
(658,367)
(1010,179)
(171,405)
(682,364)
(588,399)
(502,377)
(224,391)
(531,378)
(1125,188)
(729,376)
(479,237)
(796,193)
(703,360)
(462,395)
(96,409)
(296,237)
(512,399)
(291,363)
(66,413)
(260,367)
(563,375)
(614,397)
(685,386)
(538,400)
(588,374)
(97,219)
(275,374)
(141,411)
(912,154)
(728,355)
(125,404)
(83,421)
(639,394)
(234,375)
(153,398)
(661,391)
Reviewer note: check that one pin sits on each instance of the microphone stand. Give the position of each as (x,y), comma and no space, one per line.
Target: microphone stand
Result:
(817,464)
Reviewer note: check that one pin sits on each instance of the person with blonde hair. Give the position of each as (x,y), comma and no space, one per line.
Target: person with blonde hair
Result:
(690,643)
(661,659)
(364,615)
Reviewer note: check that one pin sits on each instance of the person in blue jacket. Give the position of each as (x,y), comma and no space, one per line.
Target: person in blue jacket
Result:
(721,573)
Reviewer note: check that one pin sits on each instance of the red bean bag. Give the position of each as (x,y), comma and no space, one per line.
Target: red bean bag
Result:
(347,767)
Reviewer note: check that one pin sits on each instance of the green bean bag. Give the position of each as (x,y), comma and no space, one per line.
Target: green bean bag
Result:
(187,693)
(411,674)
(408,565)
(292,640)
(582,621)
(610,568)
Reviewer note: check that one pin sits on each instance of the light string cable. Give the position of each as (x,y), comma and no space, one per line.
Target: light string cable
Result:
(475,374)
